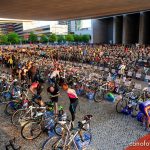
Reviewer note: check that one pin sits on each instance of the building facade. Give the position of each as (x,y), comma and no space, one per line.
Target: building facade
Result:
(6,28)
(122,29)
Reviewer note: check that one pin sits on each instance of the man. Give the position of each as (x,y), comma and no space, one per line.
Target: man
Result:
(54,75)
(36,90)
(54,93)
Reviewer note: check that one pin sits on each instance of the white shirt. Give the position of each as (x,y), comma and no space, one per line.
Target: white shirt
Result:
(54,74)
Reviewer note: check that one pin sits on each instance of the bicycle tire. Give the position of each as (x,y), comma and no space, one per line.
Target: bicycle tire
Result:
(58,128)
(9,109)
(51,142)
(29,127)
(122,103)
(99,96)
(135,110)
(15,118)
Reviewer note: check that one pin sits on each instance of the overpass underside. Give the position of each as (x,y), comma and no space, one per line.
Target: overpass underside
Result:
(123,29)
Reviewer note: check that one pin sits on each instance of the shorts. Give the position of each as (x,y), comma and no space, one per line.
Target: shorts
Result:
(54,99)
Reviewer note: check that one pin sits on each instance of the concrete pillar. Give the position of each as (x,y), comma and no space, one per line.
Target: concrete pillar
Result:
(141,28)
(124,35)
(146,30)
(131,28)
(117,29)
(114,30)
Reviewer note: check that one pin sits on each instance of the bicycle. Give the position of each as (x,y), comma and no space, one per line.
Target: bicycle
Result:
(70,139)
(33,128)
(102,90)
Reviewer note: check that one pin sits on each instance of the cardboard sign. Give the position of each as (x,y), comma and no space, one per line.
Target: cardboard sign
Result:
(106,69)
(138,86)
(138,75)
(95,67)
(113,71)
(101,68)
(147,77)
(129,73)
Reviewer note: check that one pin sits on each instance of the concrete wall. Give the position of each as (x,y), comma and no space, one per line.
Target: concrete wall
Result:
(123,29)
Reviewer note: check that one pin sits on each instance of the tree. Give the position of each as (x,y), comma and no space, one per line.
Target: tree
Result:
(53,38)
(4,39)
(13,38)
(61,38)
(76,37)
(69,38)
(86,38)
(44,39)
(33,37)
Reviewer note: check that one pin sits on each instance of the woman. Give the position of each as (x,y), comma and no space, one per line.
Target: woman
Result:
(73,101)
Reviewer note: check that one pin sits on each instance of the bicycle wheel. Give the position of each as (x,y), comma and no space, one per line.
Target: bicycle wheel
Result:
(99,96)
(121,104)
(19,118)
(31,130)
(59,128)
(3,100)
(10,108)
(135,110)
(54,143)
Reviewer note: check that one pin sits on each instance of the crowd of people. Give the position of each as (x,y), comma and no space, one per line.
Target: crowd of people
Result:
(24,63)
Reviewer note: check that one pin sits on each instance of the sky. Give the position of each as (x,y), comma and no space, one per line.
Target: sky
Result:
(35,24)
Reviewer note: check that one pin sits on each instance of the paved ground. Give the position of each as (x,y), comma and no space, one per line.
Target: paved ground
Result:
(111,131)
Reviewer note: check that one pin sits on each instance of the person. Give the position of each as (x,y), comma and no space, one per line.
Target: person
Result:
(147,89)
(36,90)
(73,101)
(53,90)
(54,75)
(10,62)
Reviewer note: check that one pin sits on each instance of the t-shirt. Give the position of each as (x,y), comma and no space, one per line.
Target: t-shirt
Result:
(71,93)
(54,74)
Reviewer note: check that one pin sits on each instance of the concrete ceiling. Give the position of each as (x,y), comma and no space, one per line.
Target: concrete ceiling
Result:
(68,9)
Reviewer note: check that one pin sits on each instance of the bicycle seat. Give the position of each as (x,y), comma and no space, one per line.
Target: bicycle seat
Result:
(88,117)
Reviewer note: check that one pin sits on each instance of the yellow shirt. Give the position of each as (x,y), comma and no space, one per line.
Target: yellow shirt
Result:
(10,61)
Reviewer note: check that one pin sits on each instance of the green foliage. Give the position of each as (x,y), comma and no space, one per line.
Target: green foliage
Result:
(61,38)
(3,39)
(13,38)
(53,38)
(86,38)
(33,37)
(44,39)
(69,38)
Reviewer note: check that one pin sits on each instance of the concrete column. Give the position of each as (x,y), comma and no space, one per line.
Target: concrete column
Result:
(131,28)
(117,29)
(141,28)
(114,29)
(124,35)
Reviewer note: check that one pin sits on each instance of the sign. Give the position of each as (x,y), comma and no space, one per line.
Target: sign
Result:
(147,77)
(138,86)
(138,75)
(130,73)
(101,68)
(113,71)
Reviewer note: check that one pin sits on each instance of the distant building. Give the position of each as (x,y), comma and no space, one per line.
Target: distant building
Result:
(47,30)
(6,28)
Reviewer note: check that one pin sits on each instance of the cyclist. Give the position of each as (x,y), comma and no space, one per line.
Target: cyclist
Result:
(36,90)
(147,89)
(54,75)
(73,101)
(54,93)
